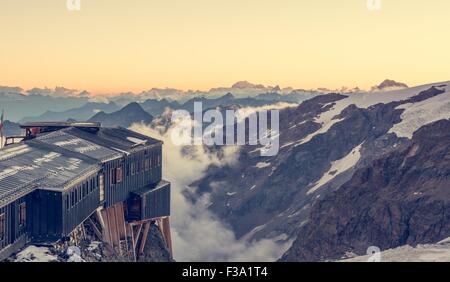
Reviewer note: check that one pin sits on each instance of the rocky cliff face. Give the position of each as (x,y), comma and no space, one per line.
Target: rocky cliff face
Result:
(324,142)
(401,198)
(282,188)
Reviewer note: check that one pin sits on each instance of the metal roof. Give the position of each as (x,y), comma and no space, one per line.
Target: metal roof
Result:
(103,145)
(25,167)
(116,138)
(67,140)
(56,159)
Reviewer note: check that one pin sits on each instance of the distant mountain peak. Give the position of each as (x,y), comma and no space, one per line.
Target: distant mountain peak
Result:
(131,113)
(389,84)
(132,106)
(276,89)
(228,96)
(245,84)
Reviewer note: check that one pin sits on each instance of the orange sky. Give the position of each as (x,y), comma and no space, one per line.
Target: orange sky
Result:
(111,46)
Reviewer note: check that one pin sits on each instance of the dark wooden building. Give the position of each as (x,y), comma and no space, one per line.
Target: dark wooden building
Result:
(63,173)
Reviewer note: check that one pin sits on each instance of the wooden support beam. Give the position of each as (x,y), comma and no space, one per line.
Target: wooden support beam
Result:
(106,229)
(120,219)
(100,218)
(138,232)
(130,232)
(83,231)
(94,227)
(159,224)
(166,234)
(144,238)
(113,227)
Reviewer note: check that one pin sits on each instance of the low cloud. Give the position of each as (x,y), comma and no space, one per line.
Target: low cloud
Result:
(198,235)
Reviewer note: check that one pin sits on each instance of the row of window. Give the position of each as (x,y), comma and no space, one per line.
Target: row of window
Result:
(22,220)
(133,168)
(2,226)
(82,191)
(22,214)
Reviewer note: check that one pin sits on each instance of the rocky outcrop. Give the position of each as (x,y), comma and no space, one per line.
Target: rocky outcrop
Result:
(155,249)
(400,198)
(90,249)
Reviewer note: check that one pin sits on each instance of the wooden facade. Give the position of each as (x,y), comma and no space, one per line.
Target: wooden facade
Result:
(77,171)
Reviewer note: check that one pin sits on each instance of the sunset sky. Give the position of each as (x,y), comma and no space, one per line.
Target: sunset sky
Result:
(110,46)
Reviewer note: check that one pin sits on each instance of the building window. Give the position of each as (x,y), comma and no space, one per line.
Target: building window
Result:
(67,202)
(102,188)
(2,226)
(22,214)
(159,160)
(147,164)
(119,174)
(113,176)
(133,168)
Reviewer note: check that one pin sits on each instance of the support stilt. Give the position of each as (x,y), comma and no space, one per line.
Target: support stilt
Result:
(144,238)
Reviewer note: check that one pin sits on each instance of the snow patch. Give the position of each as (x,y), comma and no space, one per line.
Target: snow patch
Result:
(262,165)
(136,141)
(35,254)
(338,167)
(326,125)
(416,115)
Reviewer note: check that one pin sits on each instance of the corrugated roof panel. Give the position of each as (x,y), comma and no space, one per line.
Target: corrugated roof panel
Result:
(54,159)
(24,167)
(65,140)
(116,138)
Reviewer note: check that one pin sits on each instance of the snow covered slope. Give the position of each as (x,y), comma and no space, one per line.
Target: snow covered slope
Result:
(418,114)
(439,252)
(415,115)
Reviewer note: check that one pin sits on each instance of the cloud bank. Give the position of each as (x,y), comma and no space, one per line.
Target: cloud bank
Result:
(198,235)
